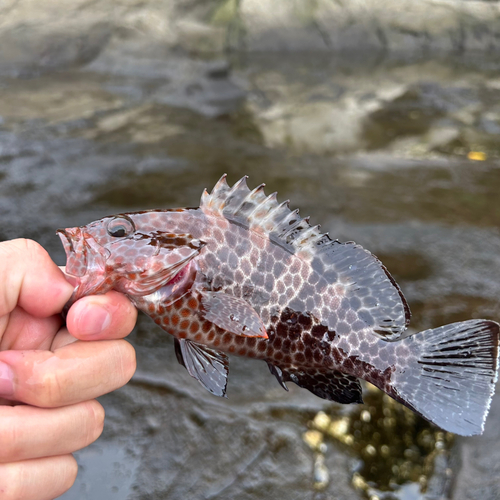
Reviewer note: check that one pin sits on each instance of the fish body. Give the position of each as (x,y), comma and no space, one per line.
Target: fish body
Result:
(243,274)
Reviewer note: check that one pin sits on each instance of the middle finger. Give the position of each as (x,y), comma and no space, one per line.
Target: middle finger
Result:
(73,373)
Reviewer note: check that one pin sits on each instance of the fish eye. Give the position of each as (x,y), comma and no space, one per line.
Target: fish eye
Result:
(119,227)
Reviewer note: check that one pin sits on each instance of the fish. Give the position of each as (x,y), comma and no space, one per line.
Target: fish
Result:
(244,274)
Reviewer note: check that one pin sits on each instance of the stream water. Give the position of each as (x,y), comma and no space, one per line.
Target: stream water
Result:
(401,158)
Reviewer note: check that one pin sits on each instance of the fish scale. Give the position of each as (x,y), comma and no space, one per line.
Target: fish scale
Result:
(245,275)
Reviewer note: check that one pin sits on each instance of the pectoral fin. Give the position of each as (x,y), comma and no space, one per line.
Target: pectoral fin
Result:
(232,314)
(206,365)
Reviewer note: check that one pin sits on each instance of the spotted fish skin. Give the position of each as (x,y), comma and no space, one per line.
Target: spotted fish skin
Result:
(243,274)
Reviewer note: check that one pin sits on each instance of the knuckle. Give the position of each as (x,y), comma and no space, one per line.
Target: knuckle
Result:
(49,390)
(12,249)
(8,437)
(29,248)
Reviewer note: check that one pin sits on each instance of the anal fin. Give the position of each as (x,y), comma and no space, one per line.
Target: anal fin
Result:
(333,385)
(233,314)
(208,366)
(278,373)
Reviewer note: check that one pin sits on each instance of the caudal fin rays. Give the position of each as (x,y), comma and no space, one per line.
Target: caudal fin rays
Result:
(452,381)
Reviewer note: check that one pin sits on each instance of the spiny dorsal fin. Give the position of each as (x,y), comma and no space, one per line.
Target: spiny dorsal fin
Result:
(256,211)
(361,274)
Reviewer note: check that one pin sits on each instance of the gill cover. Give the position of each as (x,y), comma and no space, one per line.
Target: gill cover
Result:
(145,262)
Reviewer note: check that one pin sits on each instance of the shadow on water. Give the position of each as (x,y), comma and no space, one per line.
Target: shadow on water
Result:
(374,152)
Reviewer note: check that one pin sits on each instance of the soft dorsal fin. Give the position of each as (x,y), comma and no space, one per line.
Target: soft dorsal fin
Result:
(384,308)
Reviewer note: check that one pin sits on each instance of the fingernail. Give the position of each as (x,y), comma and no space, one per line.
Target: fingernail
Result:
(6,380)
(94,319)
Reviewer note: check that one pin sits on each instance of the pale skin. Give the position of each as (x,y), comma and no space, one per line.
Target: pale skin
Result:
(50,374)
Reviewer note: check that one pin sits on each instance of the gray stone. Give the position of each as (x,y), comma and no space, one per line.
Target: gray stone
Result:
(34,50)
(207,87)
(480,461)
(439,137)
(401,26)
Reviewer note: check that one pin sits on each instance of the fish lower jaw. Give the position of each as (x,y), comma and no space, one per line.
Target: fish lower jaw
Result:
(85,288)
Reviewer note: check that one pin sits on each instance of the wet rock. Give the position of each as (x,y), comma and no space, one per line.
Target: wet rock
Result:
(450,114)
(370,25)
(287,27)
(37,50)
(64,99)
(407,266)
(479,458)
(410,114)
(396,26)
(319,128)
(396,453)
(442,138)
(206,87)
(96,482)
(255,447)
(143,124)
(200,37)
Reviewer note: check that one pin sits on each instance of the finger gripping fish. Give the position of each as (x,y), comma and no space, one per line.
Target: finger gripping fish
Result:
(244,274)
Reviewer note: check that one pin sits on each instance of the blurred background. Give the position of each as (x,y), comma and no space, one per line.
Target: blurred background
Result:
(379,118)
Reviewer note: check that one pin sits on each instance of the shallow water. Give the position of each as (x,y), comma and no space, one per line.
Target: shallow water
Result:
(376,152)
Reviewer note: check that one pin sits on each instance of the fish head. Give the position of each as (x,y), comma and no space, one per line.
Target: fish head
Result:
(124,253)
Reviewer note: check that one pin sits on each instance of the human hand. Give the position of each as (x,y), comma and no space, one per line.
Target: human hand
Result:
(49,376)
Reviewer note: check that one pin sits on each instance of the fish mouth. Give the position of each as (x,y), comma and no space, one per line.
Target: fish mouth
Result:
(66,240)
(76,253)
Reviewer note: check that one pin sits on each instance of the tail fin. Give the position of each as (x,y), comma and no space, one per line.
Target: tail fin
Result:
(452,379)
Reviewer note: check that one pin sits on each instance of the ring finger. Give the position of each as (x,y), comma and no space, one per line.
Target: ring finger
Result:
(38,479)
(28,432)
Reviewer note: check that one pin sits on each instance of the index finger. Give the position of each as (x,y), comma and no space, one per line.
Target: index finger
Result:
(29,278)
